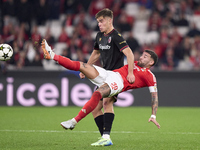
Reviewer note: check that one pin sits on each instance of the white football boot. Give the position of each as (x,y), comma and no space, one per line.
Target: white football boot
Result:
(48,53)
(70,124)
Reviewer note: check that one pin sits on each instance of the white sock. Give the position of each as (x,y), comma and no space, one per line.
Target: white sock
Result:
(106,136)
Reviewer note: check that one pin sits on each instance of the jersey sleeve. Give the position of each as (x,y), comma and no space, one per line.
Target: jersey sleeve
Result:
(120,42)
(152,83)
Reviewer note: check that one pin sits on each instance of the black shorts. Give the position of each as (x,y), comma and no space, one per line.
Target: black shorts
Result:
(115,96)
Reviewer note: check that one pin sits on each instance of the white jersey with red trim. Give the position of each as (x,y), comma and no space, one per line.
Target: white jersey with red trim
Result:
(143,78)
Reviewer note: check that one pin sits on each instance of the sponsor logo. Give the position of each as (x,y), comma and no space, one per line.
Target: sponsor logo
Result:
(99,39)
(104,47)
(109,39)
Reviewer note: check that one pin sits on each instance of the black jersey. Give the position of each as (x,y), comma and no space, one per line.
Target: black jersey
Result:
(111,46)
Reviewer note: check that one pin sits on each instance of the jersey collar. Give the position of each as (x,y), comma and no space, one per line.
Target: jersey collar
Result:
(109,33)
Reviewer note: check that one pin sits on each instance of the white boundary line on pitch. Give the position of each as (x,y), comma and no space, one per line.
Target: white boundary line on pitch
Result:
(126,132)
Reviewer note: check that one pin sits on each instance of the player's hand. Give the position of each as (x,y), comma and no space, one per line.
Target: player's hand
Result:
(81,75)
(130,78)
(155,122)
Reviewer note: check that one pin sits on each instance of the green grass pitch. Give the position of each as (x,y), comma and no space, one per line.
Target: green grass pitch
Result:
(38,128)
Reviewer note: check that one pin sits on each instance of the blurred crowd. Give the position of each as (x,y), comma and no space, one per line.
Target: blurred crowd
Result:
(169,27)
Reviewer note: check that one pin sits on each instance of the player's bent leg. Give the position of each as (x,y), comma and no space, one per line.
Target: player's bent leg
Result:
(108,104)
(98,116)
(98,110)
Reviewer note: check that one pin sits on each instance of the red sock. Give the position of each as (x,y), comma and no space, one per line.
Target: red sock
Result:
(89,106)
(67,63)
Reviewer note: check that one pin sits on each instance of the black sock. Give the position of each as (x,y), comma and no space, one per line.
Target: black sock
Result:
(100,122)
(108,120)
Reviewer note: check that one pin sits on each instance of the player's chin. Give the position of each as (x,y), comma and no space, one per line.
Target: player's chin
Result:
(101,29)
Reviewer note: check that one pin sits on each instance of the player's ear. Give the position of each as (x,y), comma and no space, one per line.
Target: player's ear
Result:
(151,62)
(110,20)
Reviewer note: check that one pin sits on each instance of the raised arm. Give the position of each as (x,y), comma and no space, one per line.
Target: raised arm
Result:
(154,104)
(130,58)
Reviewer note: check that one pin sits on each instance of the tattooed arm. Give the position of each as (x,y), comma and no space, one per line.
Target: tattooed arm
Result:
(154,104)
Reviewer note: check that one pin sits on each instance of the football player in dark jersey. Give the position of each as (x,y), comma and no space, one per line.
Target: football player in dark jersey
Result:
(111,47)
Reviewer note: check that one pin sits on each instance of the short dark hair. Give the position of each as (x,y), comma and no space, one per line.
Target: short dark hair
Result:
(105,13)
(154,56)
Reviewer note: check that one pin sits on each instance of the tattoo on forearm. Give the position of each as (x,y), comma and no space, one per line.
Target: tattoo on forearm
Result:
(154,103)
(84,65)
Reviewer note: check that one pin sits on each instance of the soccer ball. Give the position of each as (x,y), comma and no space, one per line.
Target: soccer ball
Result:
(6,52)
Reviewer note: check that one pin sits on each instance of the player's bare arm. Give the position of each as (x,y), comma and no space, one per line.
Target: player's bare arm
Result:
(154,104)
(93,58)
(130,59)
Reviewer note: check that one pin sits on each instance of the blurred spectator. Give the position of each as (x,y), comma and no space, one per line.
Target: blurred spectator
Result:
(161,8)
(186,7)
(49,38)
(125,22)
(193,31)
(147,3)
(75,44)
(42,12)
(70,6)
(22,61)
(82,18)
(24,14)
(169,62)
(9,12)
(80,56)
(132,42)
(195,57)
(182,21)
(37,62)
(66,53)
(7,36)
(137,55)
(154,22)
(35,36)
(175,35)
(116,8)
(63,38)
(197,10)
(54,9)
(183,50)
(143,13)
(97,5)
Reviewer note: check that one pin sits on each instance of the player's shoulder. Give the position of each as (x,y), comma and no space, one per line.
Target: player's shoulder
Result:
(150,73)
(116,33)
(99,33)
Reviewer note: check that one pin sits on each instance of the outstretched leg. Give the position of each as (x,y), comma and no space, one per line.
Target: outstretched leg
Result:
(88,70)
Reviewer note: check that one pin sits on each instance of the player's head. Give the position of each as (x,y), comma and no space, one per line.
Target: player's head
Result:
(148,59)
(105,19)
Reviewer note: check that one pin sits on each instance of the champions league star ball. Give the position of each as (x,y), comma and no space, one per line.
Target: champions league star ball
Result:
(6,52)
